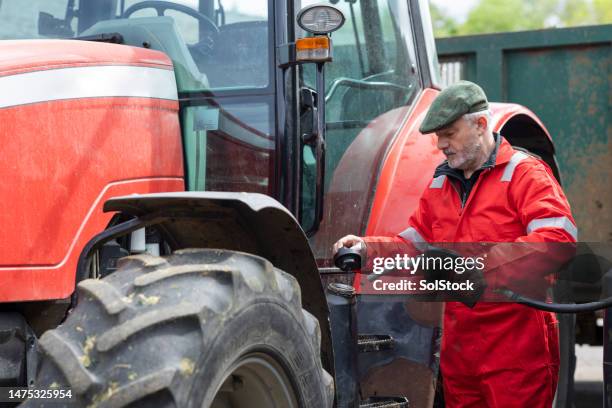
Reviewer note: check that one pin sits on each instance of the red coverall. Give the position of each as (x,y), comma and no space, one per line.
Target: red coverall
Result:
(496,354)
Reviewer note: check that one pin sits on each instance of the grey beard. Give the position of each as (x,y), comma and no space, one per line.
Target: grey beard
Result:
(470,155)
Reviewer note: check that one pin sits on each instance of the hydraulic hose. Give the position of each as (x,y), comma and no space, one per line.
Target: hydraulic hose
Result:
(558,307)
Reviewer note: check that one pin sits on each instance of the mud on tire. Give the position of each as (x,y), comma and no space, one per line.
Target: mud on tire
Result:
(167,332)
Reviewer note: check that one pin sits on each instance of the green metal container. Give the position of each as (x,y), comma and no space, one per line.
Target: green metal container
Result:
(564,77)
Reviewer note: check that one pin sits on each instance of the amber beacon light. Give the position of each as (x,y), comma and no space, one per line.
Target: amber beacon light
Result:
(313,49)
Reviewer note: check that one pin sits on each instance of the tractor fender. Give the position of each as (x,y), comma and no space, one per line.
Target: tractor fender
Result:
(248,222)
(522,128)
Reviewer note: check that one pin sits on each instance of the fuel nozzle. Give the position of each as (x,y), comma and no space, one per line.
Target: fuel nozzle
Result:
(348,259)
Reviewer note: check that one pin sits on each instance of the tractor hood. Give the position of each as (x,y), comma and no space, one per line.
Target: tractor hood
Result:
(21,56)
(80,122)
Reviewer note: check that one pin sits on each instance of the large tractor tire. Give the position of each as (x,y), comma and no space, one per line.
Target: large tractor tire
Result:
(199,328)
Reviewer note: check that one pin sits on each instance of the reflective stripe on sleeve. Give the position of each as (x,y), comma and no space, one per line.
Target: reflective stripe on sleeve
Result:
(412,235)
(563,223)
(514,161)
(438,182)
(87,82)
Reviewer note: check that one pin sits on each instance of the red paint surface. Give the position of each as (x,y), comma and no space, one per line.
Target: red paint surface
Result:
(62,159)
(36,55)
(408,166)
(502,112)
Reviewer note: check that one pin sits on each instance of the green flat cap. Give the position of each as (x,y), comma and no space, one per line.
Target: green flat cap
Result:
(453,102)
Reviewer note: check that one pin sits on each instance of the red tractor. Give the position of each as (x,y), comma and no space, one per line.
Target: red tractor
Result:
(175,173)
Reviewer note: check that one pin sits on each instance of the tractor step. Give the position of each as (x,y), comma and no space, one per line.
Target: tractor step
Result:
(385,402)
(375,342)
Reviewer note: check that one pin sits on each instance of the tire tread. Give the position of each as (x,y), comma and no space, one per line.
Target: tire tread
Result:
(69,361)
(104,293)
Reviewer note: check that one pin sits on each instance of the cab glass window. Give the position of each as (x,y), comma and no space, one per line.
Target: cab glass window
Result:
(228,42)
(214,44)
(28,19)
(230,145)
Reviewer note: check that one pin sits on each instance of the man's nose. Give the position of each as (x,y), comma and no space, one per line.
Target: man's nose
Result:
(442,143)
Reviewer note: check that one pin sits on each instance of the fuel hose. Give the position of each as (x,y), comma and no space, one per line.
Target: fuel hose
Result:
(557,307)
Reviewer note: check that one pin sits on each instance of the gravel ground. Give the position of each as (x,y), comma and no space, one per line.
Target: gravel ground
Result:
(588,377)
(589,360)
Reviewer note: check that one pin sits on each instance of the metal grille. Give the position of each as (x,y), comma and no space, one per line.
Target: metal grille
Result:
(374,342)
(385,402)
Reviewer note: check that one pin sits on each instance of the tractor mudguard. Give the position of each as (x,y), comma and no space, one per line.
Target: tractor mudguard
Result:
(247,222)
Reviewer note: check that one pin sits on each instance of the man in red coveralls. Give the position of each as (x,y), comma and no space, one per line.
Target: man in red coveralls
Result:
(494,354)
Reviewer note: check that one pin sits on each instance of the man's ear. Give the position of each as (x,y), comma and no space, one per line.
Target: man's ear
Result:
(482,123)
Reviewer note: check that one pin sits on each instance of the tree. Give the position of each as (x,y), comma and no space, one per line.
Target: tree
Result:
(489,16)
(577,12)
(603,9)
(443,24)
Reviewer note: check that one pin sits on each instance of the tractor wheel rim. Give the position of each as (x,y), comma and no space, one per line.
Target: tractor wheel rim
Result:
(256,380)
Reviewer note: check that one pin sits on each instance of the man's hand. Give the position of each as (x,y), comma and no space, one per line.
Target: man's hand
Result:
(351,241)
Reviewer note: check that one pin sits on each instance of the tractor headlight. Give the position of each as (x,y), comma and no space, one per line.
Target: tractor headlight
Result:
(320,19)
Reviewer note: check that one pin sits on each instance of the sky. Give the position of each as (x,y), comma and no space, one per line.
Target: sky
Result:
(458,9)
(252,7)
